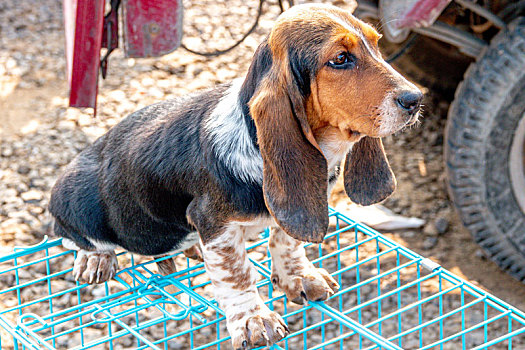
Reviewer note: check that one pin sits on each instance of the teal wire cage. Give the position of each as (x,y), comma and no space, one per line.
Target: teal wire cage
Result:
(390,298)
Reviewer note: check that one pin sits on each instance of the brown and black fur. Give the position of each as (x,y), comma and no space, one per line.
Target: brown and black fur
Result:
(155,177)
(229,161)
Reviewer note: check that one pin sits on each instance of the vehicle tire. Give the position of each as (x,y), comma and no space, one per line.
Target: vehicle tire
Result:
(485,149)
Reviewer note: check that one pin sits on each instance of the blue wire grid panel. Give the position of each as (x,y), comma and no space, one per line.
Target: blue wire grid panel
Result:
(390,298)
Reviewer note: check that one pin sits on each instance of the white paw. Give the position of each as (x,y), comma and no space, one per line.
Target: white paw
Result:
(95,267)
(306,284)
(257,327)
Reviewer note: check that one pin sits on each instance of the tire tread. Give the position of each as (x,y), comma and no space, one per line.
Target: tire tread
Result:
(468,126)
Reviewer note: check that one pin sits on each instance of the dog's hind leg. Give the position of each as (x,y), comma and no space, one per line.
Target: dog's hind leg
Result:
(167,267)
(294,274)
(80,218)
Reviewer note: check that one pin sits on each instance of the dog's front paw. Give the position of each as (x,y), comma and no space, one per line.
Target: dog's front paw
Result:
(95,267)
(256,328)
(310,284)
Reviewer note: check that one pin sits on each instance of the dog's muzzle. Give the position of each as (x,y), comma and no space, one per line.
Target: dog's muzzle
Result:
(409,101)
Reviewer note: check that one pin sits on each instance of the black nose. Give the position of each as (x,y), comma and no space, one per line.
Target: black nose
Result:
(409,101)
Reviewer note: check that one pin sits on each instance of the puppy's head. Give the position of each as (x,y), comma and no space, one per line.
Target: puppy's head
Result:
(320,72)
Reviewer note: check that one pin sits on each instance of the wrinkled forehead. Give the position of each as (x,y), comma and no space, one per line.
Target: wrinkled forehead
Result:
(316,27)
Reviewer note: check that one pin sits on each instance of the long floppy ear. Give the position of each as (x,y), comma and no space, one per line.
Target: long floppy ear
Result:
(295,170)
(368,177)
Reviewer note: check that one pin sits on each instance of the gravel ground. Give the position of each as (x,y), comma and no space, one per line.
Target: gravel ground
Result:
(39,134)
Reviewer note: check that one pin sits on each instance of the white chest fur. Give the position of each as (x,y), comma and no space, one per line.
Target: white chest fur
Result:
(334,149)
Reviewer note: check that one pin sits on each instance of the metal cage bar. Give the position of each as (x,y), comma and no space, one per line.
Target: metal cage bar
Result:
(390,298)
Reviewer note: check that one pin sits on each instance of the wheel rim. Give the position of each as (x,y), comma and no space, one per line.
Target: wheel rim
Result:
(517,164)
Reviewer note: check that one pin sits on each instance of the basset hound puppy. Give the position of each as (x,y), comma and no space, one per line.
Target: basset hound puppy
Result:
(218,166)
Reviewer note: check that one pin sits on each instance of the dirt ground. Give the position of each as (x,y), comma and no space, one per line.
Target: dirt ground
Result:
(39,134)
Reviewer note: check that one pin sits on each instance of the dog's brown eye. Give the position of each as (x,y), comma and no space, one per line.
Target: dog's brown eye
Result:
(343,60)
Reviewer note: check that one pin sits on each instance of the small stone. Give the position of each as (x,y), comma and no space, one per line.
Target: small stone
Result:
(163,83)
(8,193)
(481,254)
(66,124)
(63,342)
(117,95)
(84,120)
(408,234)
(430,230)
(147,82)
(224,74)
(23,216)
(429,243)
(35,210)
(175,344)
(99,291)
(12,228)
(7,279)
(72,113)
(411,343)
(94,132)
(23,169)
(155,92)
(441,225)
(32,195)
(6,151)
(22,187)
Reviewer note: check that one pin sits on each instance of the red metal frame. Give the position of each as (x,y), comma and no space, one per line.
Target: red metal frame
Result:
(152,27)
(84,25)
